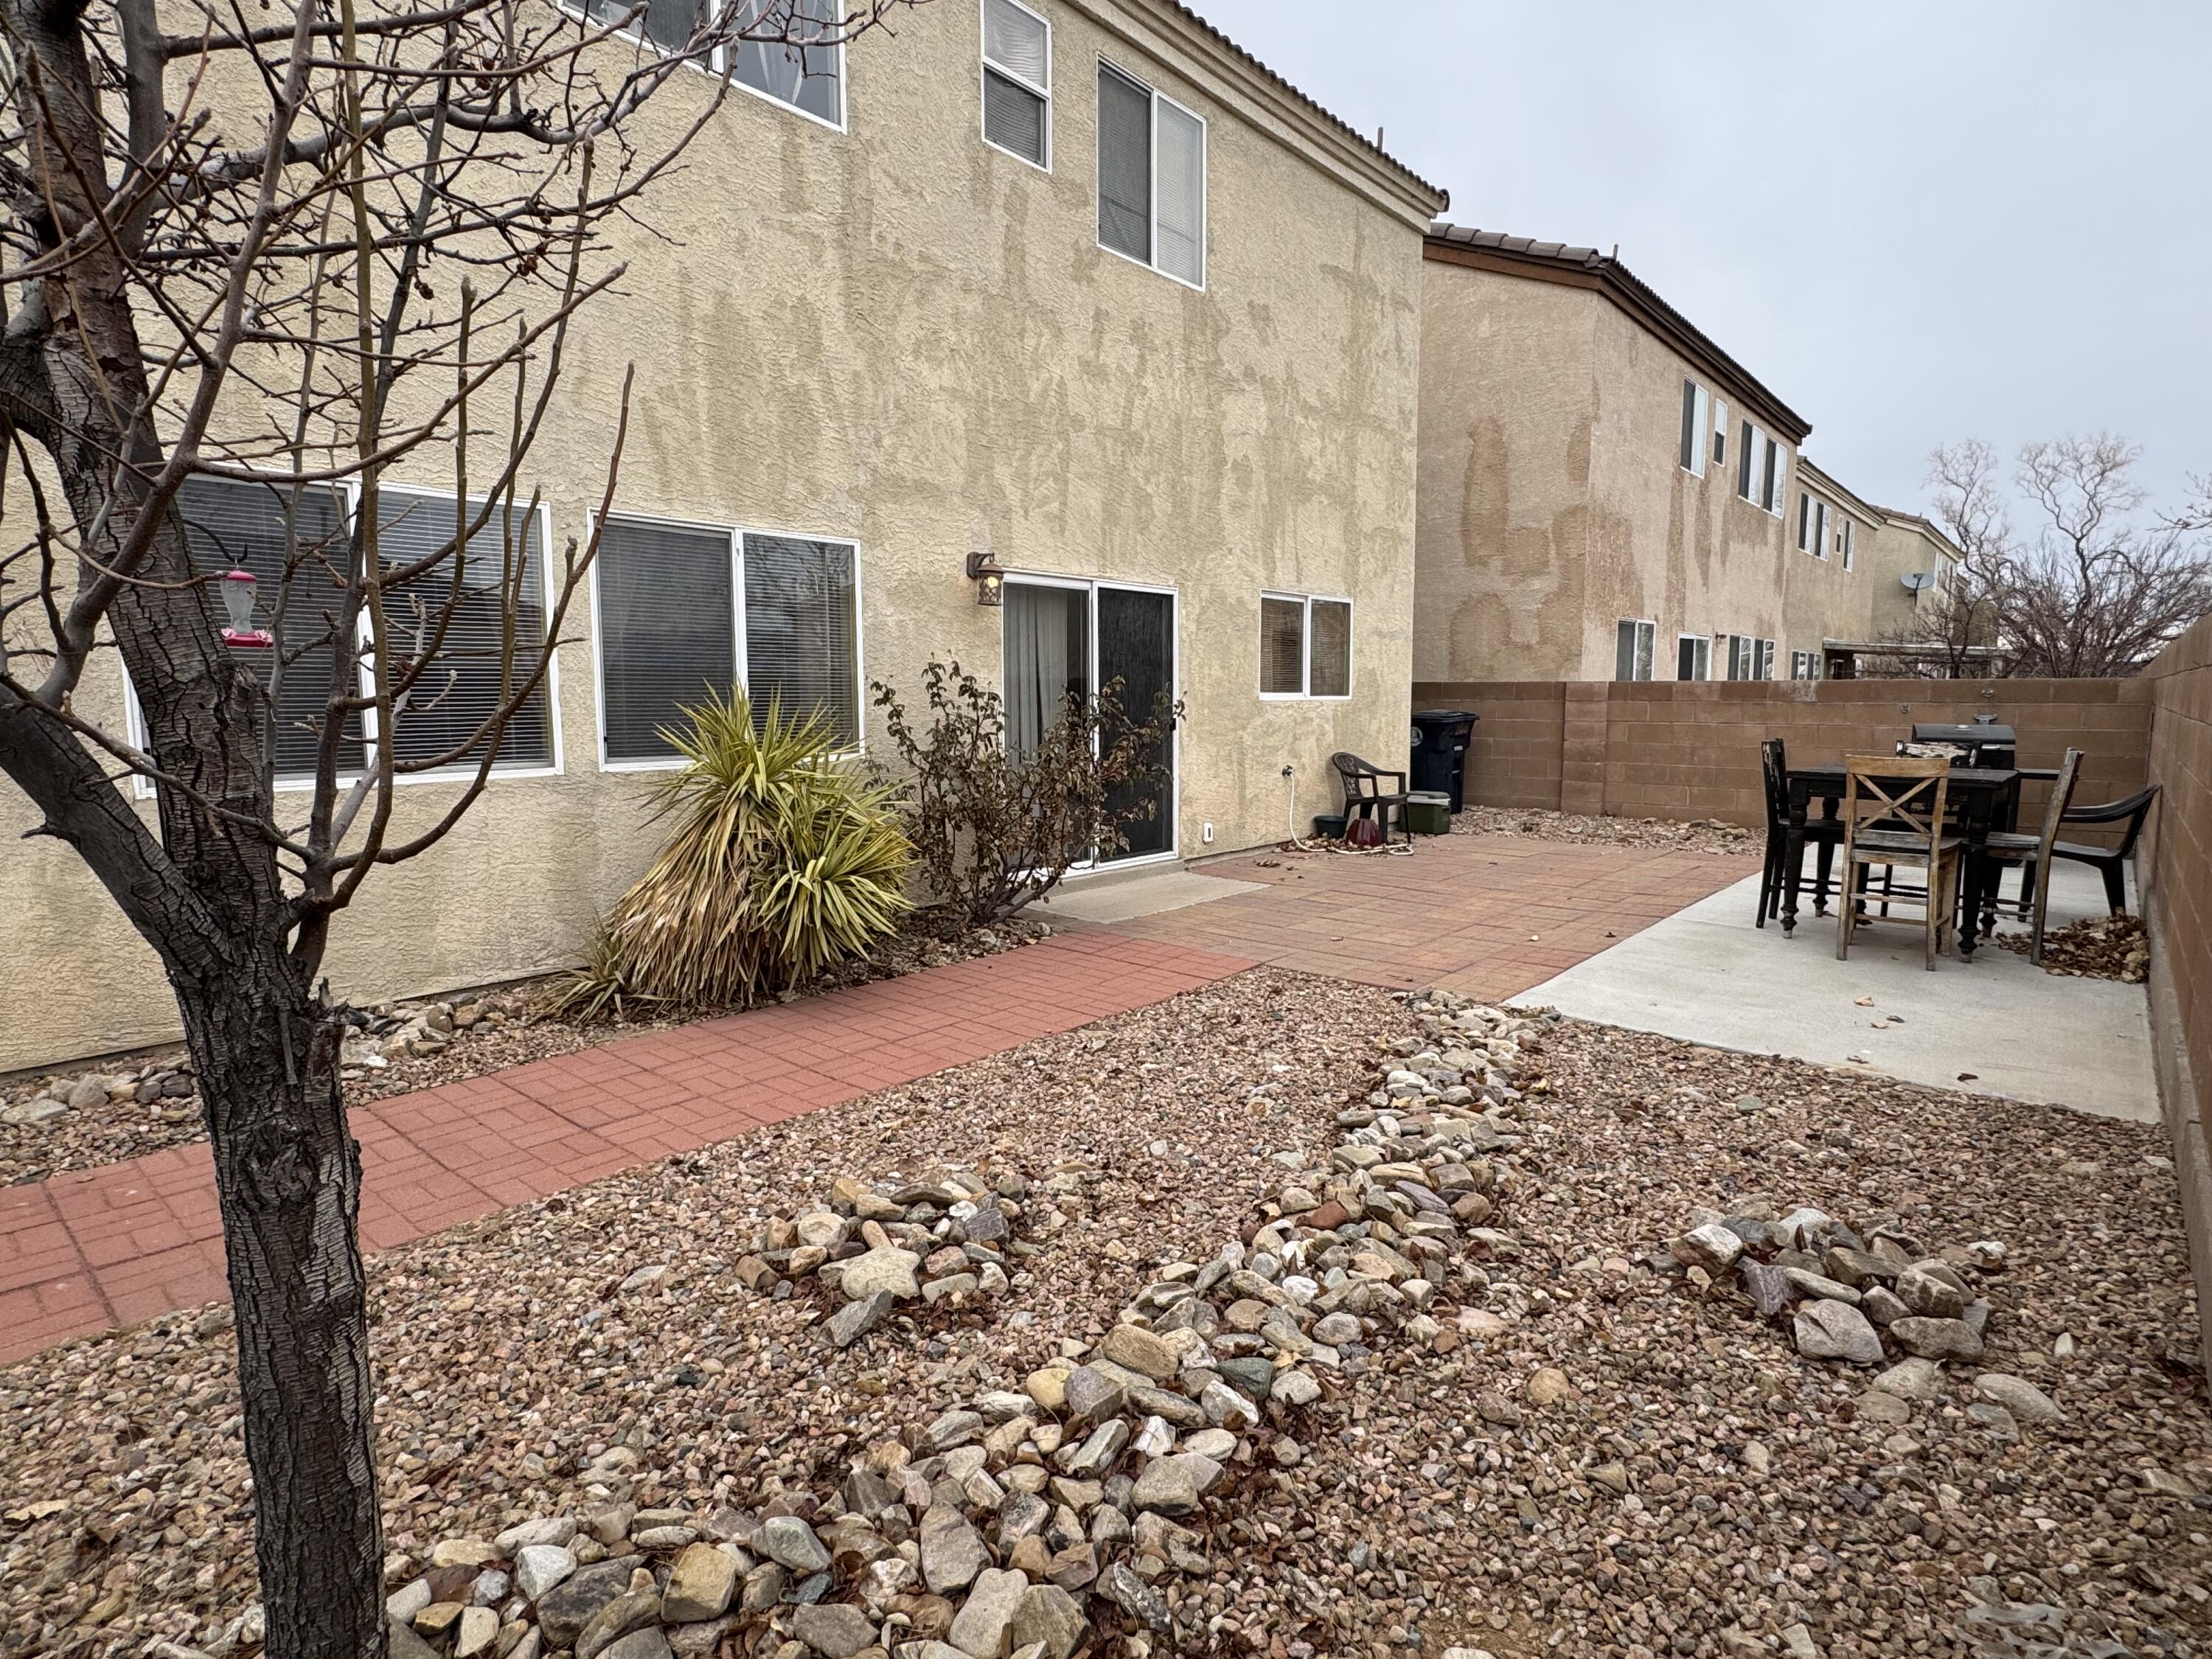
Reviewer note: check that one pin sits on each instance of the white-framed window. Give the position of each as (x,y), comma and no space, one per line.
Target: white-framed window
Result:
(1813,519)
(1747,481)
(1017,81)
(1720,434)
(1762,667)
(1634,641)
(1804,664)
(1762,472)
(680,610)
(1775,496)
(1305,646)
(1696,411)
(1748,658)
(1152,178)
(1850,542)
(801,76)
(1693,657)
(477,666)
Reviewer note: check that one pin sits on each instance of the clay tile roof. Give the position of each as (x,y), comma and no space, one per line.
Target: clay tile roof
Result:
(1586,267)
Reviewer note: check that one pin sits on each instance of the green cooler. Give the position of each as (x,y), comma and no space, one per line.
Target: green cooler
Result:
(1428,813)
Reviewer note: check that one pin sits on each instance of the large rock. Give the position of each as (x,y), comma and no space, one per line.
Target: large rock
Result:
(1050,1617)
(952,1551)
(1937,1339)
(539,1568)
(835,1629)
(1097,1454)
(1836,1330)
(632,1610)
(1712,1246)
(555,1529)
(1174,1486)
(1934,1289)
(885,1272)
(567,1608)
(700,1584)
(1119,1585)
(2019,1396)
(856,1319)
(1139,1351)
(649,1644)
(790,1542)
(980,1627)
(1913,1379)
(1090,1394)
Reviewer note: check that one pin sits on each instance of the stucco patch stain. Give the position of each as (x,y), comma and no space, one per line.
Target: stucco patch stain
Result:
(1522,596)
(1578,453)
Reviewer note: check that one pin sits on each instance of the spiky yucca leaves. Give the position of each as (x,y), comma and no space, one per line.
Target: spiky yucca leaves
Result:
(782,861)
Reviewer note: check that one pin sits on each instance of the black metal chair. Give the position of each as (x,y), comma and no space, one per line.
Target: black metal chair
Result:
(1364,797)
(2109,862)
(1824,835)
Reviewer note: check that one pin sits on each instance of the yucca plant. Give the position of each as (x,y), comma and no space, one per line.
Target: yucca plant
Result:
(782,861)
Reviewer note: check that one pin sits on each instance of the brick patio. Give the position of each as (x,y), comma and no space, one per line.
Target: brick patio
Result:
(102,1248)
(1487,916)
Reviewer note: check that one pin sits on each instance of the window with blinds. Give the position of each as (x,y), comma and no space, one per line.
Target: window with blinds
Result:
(1152,178)
(667,24)
(666,607)
(803,629)
(1328,673)
(791,69)
(257,528)
(1017,81)
(1282,647)
(484,654)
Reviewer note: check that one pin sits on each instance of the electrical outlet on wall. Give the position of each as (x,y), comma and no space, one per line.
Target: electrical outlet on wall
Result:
(1206,833)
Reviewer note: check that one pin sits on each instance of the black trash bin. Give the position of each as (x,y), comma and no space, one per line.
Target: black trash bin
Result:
(1440,740)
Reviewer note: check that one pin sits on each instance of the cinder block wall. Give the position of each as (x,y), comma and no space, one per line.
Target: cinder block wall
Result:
(2175,866)
(1690,749)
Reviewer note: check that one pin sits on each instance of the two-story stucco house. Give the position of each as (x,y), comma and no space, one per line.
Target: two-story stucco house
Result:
(1075,285)
(1604,492)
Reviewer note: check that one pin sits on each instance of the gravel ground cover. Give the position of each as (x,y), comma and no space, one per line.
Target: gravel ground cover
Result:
(1700,835)
(1601,1452)
(128,1107)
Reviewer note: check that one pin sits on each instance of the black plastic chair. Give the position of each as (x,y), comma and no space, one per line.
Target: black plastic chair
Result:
(1825,834)
(1364,797)
(2109,862)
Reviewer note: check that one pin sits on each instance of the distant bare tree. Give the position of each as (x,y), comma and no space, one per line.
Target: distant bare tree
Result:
(2097,590)
(299,247)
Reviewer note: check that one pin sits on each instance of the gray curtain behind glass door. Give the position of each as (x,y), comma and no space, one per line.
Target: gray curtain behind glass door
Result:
(1048,658)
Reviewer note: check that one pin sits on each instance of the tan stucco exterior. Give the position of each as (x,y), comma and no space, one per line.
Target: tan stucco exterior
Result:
(1905,545)
(1553,502)
(897,334)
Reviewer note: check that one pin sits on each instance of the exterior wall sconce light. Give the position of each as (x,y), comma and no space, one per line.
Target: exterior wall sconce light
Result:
(989,579)
(239,587)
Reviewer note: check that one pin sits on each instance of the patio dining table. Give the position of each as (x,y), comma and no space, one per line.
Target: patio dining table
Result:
(1984,798)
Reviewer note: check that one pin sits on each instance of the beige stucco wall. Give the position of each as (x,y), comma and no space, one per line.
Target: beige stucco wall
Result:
(1553,503)
(899,334)
(1822,600)
(1900,546)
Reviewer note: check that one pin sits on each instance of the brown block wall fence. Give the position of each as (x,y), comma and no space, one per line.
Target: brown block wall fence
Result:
(2175,866)
(1674,750)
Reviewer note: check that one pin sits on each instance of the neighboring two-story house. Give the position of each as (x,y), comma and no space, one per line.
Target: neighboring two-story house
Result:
(1605,493)
(1078,286)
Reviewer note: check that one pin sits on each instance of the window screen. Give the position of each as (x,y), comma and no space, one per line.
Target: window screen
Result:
(1692,658)
(1125,166)
(467,681)
(1017,79)
(802,629)
(244,525)
(1720,434)
(1331,668)
(1747,456)
(1778,469)
(788,69)
(1282,646)
(668,24)
(1693,448)
(1634,642)
(667,632)
(1183,194)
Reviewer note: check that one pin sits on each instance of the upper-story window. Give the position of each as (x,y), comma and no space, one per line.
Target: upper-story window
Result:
(1696,409)
(1850,542)
(1152,178)
(1631,648)
(1720,434)
(1017,81)
(1812,525)
(809,78)
(1762,476)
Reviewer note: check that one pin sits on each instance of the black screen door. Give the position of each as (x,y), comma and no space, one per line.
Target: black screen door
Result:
(1136,642)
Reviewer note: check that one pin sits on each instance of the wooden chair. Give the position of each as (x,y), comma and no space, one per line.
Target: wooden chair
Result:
(2034,853)
(1364,796)
(1824,834)
(1894,810)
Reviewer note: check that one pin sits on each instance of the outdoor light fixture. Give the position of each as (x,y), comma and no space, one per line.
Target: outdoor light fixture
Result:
(990,581)
(238,590)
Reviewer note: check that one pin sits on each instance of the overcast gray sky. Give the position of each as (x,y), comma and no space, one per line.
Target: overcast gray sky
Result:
(1915,220)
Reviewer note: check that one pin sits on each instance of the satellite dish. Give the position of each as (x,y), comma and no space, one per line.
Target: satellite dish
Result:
(1914,580)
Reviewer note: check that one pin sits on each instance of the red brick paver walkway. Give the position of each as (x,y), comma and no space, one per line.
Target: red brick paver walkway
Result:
(86,1251)
(1488,916)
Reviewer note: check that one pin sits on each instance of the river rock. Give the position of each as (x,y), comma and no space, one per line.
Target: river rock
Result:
(1836,1330)
(1937,1339)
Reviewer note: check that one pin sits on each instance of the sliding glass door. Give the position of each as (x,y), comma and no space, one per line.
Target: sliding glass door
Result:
(1065,638)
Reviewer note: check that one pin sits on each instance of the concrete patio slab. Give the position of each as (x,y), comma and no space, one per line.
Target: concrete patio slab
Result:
(1119,896)
(1994,1026)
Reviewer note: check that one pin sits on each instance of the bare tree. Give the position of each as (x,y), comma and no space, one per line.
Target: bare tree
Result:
(304,248)
(2096,591)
